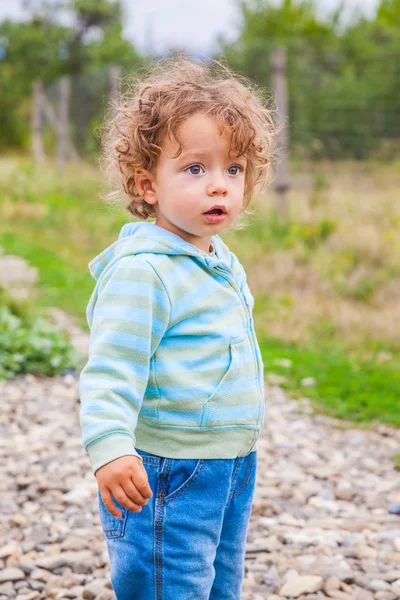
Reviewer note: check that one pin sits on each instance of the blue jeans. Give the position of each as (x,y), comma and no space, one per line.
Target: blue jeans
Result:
(188,542)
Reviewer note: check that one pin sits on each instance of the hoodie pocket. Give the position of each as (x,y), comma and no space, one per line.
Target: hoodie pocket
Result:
(238,350)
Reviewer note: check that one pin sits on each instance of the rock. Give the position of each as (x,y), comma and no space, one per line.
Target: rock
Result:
(385,596)
(378,585)
(347,495)
(38,535)
(332,583)
(308,381)
(28,596)
(79,496)
(74,543)
(339,595)
(11,574)
(275,379)
(40,575)
(8,550)
(6,589)
(304,584)
(19,520)
(52,562)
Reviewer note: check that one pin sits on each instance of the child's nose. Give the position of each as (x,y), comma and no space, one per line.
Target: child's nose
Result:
(217,186)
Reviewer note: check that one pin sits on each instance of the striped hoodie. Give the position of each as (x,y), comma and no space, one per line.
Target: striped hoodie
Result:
(174,367)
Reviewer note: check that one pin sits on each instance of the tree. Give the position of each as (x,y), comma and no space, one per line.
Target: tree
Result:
(343,81)
(43,46)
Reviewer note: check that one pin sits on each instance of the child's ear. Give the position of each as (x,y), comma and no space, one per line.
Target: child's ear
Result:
(145,184)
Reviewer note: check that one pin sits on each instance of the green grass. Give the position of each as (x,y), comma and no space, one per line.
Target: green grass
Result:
(58,226)
(61,284)
(347,387)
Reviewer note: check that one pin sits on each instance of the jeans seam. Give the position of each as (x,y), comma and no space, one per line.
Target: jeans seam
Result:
(245,482)
(235,475)
(158,525)
(150,461)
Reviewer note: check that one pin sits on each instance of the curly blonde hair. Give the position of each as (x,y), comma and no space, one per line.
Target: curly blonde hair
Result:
(156,103)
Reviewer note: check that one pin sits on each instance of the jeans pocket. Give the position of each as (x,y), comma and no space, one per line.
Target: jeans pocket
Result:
(112,527)
(249,471)
(177,475)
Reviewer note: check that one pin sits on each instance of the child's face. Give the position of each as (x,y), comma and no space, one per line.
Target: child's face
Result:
(204,175)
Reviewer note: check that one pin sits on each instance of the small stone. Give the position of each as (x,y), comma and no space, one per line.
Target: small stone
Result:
(52,562)
(339,595)
(379,585)
(34,595)
(93,589)
(79,496)
(19,520)
(6,589)
(346,495)
(304,584)
(308,381)
(41,575)
(11,574)
(275,379)
(332,583)
(8,550)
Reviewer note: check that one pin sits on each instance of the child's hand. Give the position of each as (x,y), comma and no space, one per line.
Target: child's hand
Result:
(127,479)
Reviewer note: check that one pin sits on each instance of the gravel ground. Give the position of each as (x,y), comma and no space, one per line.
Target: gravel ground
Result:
(320,525)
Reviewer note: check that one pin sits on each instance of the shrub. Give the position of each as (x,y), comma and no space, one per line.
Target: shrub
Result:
(32,346)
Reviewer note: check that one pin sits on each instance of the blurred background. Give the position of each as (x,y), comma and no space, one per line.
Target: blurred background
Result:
(322,250)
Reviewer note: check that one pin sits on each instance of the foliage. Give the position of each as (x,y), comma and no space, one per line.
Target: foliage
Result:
(274,232)
(343,74)
(32,346)
(343,81)
(57,222)
(44,47)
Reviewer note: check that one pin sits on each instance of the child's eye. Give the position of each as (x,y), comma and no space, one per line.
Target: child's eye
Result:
(238,167)
(194,167)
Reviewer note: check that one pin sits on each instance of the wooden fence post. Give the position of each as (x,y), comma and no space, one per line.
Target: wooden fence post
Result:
(37,123)
(115,76)
(62,129)
(279,77)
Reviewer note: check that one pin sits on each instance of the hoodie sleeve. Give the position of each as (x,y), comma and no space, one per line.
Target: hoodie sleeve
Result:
(127,321)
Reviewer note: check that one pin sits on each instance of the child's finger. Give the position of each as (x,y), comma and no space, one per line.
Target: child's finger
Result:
(130,489)
(141,482)
(122,498)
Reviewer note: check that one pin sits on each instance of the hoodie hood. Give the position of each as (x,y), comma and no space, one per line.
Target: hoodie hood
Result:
(147,237)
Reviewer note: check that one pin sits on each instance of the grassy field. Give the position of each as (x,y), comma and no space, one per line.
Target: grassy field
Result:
(326,281)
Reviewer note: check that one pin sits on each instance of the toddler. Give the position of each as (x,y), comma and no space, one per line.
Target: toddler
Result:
(172,394)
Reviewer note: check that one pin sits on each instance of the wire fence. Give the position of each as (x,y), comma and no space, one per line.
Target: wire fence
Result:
(88,96)
(333,111)
(352,115)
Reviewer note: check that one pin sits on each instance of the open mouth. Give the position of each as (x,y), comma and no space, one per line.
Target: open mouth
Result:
(216,215)
(215,211)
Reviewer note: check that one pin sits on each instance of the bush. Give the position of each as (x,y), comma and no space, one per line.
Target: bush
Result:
(32,346)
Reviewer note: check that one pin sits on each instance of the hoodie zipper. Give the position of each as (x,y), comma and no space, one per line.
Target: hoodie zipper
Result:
(251,328)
